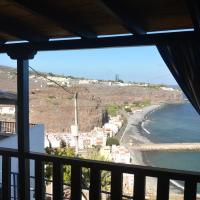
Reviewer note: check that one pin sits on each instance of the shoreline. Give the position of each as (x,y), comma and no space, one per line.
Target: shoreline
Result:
(134,134)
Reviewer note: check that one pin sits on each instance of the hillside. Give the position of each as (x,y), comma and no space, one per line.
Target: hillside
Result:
(54,107)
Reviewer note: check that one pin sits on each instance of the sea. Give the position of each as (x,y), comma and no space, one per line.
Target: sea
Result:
(173,123)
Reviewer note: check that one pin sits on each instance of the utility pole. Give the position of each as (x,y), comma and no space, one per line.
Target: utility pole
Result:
(76,121)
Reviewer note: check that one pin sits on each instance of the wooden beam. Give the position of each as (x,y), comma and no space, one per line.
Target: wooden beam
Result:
(61,19)
(194,9)
(19,30)
(116,10)
(109,42)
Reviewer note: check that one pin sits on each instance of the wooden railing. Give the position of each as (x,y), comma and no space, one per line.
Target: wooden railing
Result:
(10,127)
(117,170)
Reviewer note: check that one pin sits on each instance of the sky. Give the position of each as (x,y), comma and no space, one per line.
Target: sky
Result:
(137,64)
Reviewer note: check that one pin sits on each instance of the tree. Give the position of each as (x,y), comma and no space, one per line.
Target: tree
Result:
(65,152)
(105,175)
(112,141)
(69,152)
(63,144)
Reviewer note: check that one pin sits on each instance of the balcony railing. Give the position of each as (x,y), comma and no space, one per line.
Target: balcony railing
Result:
(116,170)
(9,127)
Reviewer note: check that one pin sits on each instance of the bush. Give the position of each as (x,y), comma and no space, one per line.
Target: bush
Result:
(127,109)
(112,110)
(112,141)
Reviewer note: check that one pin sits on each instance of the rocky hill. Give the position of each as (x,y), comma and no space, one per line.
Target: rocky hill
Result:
(53,106)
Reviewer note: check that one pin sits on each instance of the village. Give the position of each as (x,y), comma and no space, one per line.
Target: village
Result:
(97,137)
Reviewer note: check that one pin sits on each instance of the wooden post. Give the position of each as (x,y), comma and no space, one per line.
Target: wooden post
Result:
(23,127)
(23,119)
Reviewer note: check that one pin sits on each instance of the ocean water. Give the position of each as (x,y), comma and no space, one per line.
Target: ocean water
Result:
(170,124)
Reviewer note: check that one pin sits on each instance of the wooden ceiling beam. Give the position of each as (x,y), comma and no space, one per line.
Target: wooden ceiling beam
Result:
(57,17)
(17,29)
(194,9)
(109,42)
(116,10)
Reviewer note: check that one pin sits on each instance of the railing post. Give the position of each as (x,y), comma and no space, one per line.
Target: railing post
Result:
(139,187)
(39,180)
(23,118)
(163,188)
(190,191)
(116,184)
(57,181)
(76,182)
(95,184)
(6,176)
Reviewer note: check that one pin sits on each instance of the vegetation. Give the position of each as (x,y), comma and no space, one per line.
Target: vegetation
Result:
(127,109)
(105,175)
(65,152)
(63,144)
(69,152)
(112,141)
(141,104)
(113,109)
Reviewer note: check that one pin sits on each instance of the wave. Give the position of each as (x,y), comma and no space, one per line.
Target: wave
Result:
(142,125)
(176,184)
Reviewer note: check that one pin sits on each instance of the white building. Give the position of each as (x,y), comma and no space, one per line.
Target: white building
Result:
(54,140)
(120,154)
(7,110)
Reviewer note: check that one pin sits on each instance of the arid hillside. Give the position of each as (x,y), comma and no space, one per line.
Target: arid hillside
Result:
(53,106)
(130,94)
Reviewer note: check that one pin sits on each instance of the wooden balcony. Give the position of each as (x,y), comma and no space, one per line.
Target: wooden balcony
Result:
(116,170)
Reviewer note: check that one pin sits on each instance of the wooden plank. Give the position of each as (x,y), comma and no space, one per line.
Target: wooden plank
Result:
(76,182)
(39,180)
(190,191)
(116,184)
(163,188)
(117,11)
(57,181)
(15,28)
(6,177)
(95,184)
(139,187)
(59,17)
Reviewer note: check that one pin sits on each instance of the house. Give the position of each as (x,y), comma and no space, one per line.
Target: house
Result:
(9,139)
(28,27)
(7,110)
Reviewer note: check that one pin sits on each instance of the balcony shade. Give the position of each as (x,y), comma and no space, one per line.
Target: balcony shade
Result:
(48,19)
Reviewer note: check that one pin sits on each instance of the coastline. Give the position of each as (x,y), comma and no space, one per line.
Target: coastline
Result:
(135,133)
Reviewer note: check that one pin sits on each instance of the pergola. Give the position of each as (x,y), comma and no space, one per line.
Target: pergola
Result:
(27,27)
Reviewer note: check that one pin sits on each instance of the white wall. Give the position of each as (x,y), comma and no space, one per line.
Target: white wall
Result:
(10,110)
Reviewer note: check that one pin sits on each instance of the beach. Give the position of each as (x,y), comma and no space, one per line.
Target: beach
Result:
(135,133)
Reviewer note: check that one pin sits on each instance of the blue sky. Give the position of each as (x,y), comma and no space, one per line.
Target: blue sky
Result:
(139,64)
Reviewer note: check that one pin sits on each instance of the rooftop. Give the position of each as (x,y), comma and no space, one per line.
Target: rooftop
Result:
(8,98)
